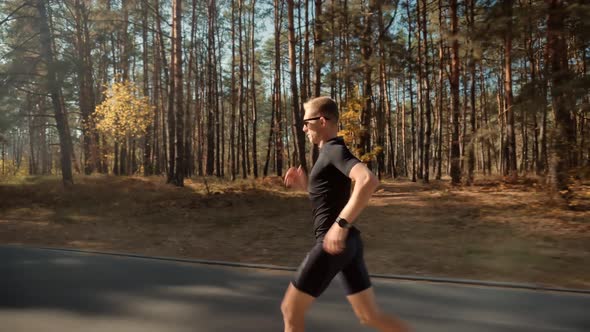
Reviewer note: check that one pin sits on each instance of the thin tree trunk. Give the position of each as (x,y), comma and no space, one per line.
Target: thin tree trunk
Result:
(189,167)
(440,93)
(86,95)
(278,126)
(306,85)
(242,124)
(171,116)
(232,134)
(54,87)
(297,116)
(367,112)
(317,47)
(563,136)
(384,105)
(3,158)
(454,82)
(179,97)
(411,91)
(428,128)
(403,120)
(147,141)
(472,139)
(221,110)
(159,136)
(510,126)
(270,133)
(420,83)
(254,109)
(211,97)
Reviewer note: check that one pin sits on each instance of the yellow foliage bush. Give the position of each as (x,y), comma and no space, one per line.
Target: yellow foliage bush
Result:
(352,128)
(124,113)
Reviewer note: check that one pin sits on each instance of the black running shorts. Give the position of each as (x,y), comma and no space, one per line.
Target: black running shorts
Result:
(319,268)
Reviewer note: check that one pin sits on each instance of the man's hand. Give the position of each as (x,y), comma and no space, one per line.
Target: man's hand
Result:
(335,239)
(296,178)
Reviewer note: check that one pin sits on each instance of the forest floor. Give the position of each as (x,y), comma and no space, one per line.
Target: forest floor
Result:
(489,231)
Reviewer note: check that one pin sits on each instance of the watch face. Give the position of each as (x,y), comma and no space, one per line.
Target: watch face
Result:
(343,223)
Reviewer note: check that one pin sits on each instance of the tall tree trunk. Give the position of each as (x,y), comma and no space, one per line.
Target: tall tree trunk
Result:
(200,90)
(510,130)
(367,112)
(31,116)
(220,125)
(148,139)
(427,96)
(216,93)
(411,91)
(543,167)
(125,53)
(254,109)
(563,135)
(164,111)
(177,54)
(278,126)
(306,86)
(420,83)
(271,132)
(472,138)
(384,104)
(441,91)
(232,137)
(54,87)
(211,97)
(242,93)
(297,114)
(87,99)
(3,157)
(190,124)
(403,122)
(317,47)
(454,82)
(158,132)
(170,113)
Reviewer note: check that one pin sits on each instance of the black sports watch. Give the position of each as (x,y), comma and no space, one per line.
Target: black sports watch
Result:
(343,223)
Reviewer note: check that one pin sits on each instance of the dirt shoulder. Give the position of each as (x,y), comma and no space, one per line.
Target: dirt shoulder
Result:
(491,231)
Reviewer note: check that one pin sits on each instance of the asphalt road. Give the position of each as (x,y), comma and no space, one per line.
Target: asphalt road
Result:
(52,290)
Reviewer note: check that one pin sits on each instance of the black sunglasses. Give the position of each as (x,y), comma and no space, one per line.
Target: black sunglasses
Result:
(305,121)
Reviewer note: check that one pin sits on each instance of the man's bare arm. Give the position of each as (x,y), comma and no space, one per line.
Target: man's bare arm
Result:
(365,184)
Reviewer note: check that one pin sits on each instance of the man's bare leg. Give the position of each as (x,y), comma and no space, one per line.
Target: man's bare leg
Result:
(294,306)
(368,312)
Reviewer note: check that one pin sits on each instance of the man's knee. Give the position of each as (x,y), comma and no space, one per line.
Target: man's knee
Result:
(289,312)
(285,308)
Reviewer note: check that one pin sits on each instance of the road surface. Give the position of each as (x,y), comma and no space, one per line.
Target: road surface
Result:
(55,290)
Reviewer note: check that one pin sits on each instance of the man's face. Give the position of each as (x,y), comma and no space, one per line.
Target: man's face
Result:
(313,125)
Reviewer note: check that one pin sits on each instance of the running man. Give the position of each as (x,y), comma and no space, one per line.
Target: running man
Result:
(338,247)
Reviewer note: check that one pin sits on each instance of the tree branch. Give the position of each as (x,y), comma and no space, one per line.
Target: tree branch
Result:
(8,18)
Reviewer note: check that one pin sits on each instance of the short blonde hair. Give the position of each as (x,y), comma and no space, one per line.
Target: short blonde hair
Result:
(326,106)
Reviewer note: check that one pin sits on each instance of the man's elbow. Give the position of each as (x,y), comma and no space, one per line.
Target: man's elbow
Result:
(370,181)
(373,182)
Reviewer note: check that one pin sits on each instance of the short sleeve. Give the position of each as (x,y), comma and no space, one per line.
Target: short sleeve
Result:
(342,159)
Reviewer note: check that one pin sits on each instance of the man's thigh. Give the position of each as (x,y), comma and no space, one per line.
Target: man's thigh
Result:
(319,268)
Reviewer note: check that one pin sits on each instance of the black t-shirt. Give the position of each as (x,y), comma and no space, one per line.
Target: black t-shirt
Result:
(329,184)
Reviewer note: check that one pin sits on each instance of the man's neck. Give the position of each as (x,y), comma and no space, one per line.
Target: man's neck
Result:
(327,138)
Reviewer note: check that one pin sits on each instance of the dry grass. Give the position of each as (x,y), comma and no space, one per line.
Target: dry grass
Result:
(492,230)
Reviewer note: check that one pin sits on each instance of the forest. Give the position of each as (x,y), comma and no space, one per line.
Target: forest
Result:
(178,88)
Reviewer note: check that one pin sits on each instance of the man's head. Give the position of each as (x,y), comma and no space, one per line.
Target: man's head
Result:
(320,121)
